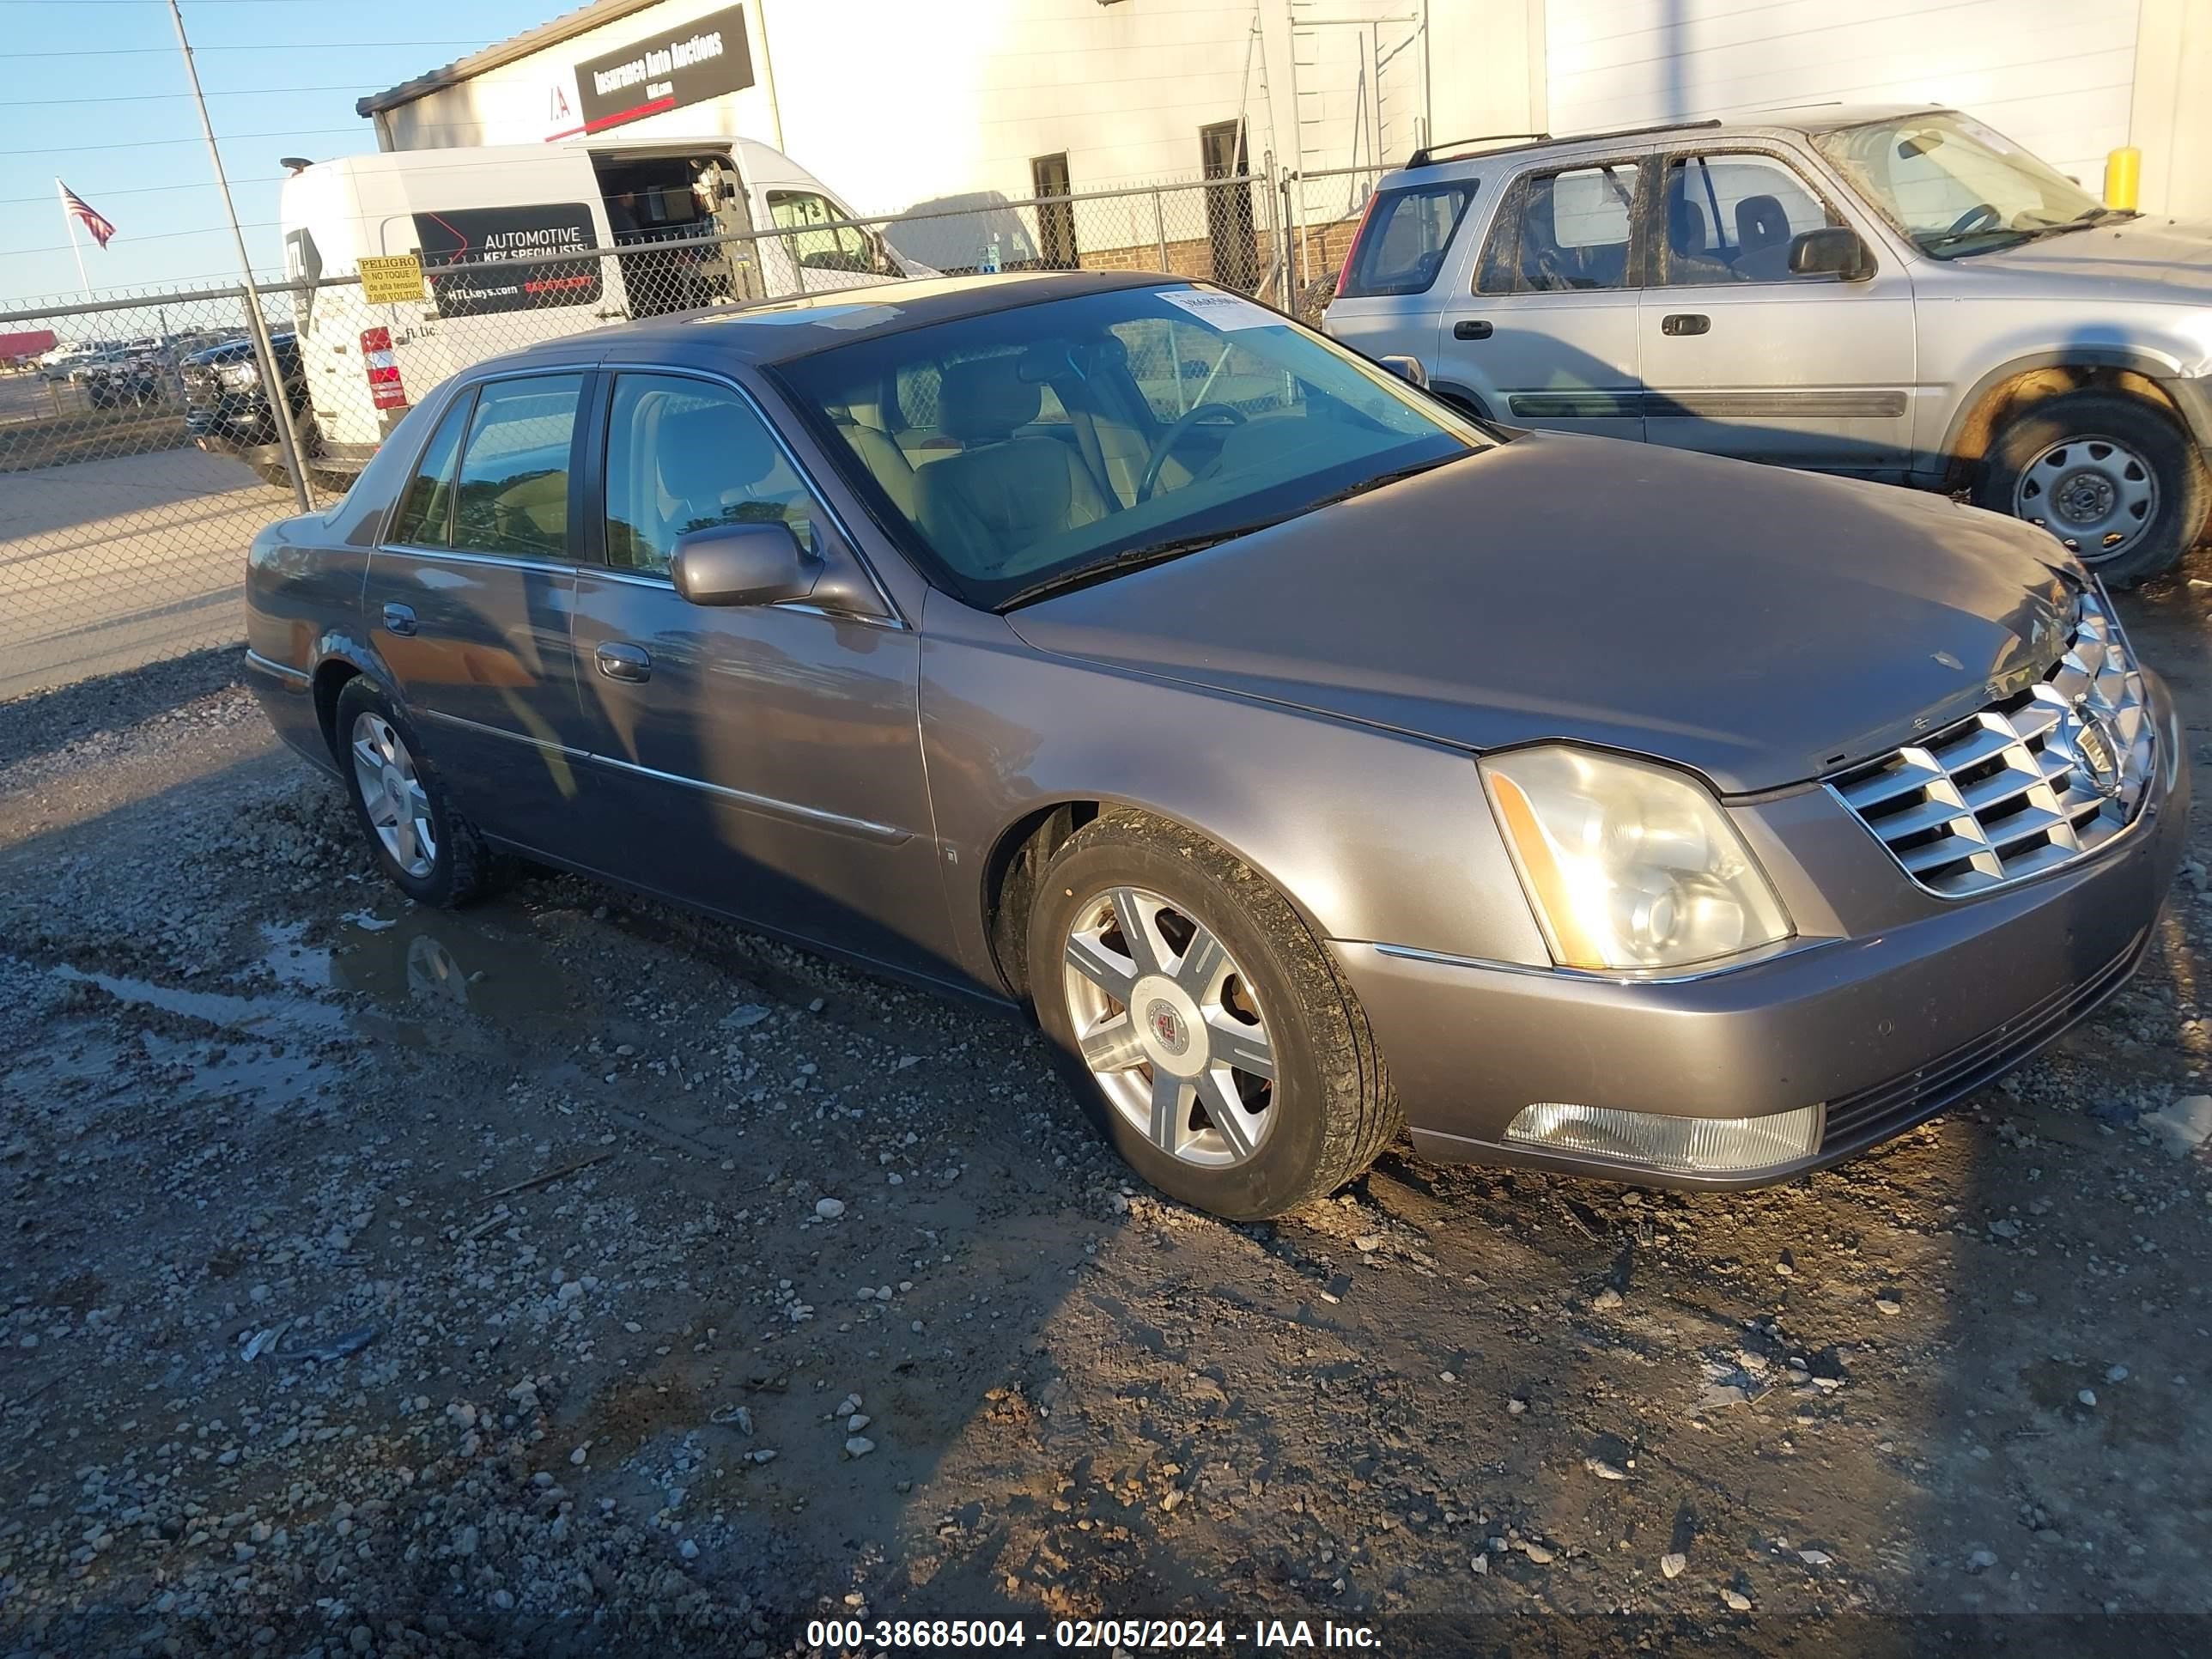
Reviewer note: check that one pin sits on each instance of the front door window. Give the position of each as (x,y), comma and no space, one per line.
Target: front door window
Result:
(1731,219)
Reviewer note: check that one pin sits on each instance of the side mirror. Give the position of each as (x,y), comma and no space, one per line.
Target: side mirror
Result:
(1406,368)
(1831,251)
(742,564)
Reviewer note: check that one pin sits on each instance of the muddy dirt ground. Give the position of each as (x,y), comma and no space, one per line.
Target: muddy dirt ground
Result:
(573,1276)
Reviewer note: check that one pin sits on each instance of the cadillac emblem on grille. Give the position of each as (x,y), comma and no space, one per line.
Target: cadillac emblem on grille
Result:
(2039,778)
(2097,749)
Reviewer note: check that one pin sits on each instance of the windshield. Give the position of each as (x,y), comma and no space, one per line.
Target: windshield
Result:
(1045,446)
(1956,187)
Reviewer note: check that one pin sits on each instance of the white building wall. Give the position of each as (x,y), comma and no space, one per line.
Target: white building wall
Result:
(893,103)
(2056,76)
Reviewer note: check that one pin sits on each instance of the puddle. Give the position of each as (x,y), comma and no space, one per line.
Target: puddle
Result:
(425,961)
(258,1017)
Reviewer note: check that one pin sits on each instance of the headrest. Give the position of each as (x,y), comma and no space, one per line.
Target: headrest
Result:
(1760,221)
(983,399)
(1685,225)
(710,448)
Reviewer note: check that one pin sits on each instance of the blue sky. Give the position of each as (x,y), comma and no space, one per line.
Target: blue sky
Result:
(280,75)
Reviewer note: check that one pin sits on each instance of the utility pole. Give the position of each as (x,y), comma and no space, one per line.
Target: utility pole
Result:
(280,394)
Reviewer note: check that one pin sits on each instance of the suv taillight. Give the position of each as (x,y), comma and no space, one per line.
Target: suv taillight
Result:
(1358,232)
(383,382)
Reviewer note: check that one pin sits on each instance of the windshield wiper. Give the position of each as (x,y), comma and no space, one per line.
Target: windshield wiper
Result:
(1131,558)
(2089,221)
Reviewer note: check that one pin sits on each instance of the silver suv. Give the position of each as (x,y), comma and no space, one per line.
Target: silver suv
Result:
(1895,293)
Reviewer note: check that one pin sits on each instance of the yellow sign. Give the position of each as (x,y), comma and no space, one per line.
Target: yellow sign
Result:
(386,282)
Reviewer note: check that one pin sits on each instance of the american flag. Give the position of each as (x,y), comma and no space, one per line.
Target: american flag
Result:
(99,228)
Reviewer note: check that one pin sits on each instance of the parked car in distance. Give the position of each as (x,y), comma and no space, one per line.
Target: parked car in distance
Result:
(1310,757)
(57,364)
(227,406)
(1890,292)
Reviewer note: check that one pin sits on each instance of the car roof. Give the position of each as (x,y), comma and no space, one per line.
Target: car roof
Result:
(778,331)
(1806,118)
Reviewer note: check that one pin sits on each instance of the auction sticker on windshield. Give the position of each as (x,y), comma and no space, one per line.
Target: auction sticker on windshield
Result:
(1221,311)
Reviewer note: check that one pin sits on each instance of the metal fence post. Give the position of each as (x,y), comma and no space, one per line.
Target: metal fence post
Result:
(280,395)
(1160,228)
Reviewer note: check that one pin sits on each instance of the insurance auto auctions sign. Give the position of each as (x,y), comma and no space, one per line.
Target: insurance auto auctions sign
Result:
(687,64)
(481,242)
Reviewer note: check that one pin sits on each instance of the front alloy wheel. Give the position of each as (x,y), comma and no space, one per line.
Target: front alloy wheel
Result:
(1206,1030)
(1167,1025)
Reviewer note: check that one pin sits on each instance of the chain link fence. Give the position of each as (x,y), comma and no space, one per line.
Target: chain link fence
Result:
(143,446)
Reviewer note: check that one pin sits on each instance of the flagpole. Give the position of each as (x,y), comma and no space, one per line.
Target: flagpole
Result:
(280,398)
(68,223)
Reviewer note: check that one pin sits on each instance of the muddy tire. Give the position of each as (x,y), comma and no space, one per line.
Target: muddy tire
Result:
(2111,476)
(1204,1028)
(427,849)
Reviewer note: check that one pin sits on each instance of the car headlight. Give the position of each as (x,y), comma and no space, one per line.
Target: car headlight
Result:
(1627,864)
(238,374)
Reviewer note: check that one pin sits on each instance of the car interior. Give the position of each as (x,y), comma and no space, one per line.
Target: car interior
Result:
(1007,457)
(1568,226)
(681,459)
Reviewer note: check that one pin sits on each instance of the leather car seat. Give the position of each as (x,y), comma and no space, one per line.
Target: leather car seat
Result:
(708,461)
(861,426)
(1000,494)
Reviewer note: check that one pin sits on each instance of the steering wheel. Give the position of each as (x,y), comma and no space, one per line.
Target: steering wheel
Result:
(1974,219)
(1164,444)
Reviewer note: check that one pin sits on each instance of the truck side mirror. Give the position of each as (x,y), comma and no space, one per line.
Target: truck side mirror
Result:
(1832,251)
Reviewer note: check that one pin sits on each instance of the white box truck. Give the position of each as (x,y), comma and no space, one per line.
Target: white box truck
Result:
(476,211)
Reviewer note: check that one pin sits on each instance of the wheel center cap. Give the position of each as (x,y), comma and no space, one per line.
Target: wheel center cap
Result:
(394,785)
(1169,1025)
(2085,497)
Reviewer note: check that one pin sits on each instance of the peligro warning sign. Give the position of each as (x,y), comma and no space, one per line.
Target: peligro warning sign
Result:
(391,281)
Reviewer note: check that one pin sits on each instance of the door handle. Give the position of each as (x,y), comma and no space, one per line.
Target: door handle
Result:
(1686,322)
(620,661)
(398,619)
(1475,329)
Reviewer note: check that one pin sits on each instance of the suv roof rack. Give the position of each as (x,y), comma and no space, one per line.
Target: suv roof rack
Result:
(1427,153)
(1427,156)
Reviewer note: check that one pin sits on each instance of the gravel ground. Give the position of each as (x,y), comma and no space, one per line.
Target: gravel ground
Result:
(573,1276)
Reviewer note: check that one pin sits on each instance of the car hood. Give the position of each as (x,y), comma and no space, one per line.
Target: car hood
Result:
(1761,627)
(2159,260)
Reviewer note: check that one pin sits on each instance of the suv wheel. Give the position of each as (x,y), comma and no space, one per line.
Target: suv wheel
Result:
(1206,1030)
(2116,481)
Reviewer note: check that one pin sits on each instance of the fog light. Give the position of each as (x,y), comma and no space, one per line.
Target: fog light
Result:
(1682,1146)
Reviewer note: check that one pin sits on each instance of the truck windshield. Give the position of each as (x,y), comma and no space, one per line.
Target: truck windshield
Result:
(1048,446)
(1955,187)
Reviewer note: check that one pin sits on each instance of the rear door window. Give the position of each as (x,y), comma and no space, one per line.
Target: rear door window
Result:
(1407,233)
(426,510)
(513,495)
(1571,230)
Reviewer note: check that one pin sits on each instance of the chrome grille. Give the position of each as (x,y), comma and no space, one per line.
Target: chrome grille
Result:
(2031,782)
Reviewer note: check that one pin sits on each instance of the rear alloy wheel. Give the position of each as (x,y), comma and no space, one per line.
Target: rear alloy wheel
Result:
(1206,1030)
(2119,485)
(429,851)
